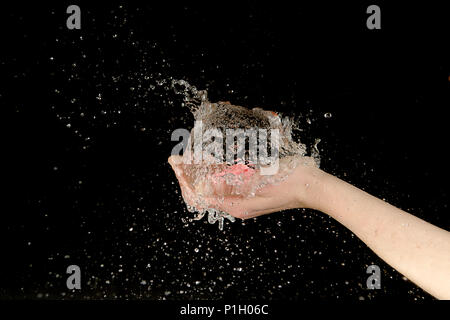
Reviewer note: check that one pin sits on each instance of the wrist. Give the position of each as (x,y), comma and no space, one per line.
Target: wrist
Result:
(310,186)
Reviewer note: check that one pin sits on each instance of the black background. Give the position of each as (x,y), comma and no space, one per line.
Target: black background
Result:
(100,194)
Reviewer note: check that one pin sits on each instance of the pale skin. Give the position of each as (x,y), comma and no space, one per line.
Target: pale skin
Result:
(415,248)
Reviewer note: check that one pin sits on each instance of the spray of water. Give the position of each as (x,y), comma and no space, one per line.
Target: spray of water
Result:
(241,174)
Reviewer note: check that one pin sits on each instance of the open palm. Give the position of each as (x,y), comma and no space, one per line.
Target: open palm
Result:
(257,197)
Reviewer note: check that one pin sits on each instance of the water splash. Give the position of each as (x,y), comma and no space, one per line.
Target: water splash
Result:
(240,175)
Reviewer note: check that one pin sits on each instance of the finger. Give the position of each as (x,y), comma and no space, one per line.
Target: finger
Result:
(175,160)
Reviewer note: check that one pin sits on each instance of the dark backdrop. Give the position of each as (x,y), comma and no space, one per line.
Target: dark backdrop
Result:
(86,138)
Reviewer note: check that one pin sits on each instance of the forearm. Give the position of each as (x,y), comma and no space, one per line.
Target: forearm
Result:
(412,246)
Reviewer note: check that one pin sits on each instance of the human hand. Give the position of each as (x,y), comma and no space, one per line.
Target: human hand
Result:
(291,191)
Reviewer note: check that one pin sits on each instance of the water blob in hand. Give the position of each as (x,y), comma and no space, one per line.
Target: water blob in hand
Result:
(234,154)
